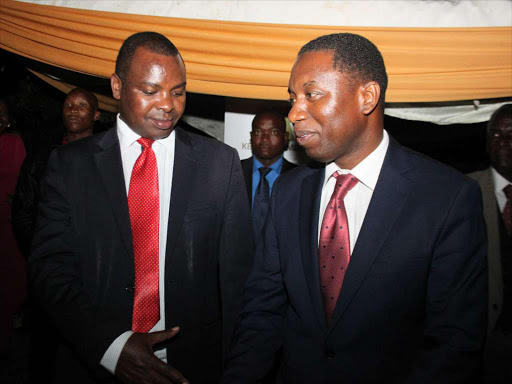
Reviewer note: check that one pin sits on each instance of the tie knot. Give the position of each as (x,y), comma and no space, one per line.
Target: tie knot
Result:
(508,191)
(344,183)
(145,142)
(264,171)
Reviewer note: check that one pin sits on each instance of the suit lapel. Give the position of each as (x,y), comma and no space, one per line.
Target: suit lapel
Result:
(308,235)
(109,164)
(387,201)
(247,170)
(184,173)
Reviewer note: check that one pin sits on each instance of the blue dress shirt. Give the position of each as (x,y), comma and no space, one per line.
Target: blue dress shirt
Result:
(271,176)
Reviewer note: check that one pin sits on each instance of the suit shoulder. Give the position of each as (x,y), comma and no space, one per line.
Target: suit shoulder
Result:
(296,175)
(203,143)
(81,147)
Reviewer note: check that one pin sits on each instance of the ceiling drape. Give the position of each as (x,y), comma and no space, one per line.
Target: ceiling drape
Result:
(253,60)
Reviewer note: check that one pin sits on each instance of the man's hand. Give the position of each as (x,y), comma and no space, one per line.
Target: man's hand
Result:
(138,364)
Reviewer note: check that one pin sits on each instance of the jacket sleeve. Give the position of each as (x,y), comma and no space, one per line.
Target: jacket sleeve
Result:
(236,249)
(455,321)
(258,334)
(55,271)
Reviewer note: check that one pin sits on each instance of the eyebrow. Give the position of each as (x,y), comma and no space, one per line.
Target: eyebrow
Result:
(182,85)
(307,83)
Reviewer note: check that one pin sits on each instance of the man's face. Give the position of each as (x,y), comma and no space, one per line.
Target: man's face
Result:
(268,138)
(79,113)
(327,111)
(152,97)
(499,138)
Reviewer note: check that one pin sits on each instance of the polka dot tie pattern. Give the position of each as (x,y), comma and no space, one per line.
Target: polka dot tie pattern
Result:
(143,203)
(334,245)
(507,211)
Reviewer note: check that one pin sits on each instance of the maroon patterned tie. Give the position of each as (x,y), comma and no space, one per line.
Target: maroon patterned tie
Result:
(507,212)
(334,245)
(143,203)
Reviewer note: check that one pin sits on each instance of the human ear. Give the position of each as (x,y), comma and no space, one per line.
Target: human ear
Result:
(370,97)
(116,84)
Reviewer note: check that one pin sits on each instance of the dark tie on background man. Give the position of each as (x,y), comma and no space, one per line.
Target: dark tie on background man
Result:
(143,203)
(507,212)
(261,203)
(334,245)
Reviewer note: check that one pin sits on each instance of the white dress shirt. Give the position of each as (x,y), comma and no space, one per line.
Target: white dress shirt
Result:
(358,198)
(164,152)
(499,183)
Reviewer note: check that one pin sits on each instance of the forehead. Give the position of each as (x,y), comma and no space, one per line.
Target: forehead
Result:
(267,122)
(82,96)
(146,64)
(312,66)
(503,122)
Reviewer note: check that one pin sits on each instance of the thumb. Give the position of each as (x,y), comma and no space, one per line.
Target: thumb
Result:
(158,337)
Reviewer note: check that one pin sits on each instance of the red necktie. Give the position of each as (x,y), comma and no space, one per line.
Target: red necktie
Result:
(507,212)
(334,246)
(143,202)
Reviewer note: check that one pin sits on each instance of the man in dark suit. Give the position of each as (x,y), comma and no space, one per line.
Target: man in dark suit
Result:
(143,239)
(269,139)
(496,182)
(373,269)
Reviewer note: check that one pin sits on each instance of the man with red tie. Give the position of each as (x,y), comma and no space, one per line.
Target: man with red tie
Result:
(143,240)
(372,269)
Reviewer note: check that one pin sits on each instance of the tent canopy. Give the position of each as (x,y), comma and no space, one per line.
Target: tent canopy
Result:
(251,59)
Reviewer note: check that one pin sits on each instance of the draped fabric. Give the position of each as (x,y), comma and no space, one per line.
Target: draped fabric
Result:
(253,60)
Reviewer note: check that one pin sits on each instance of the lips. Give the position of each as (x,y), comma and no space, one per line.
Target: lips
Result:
(303,136)
(162,123)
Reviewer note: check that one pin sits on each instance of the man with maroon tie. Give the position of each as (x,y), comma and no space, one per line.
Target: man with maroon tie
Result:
(372,269)
(143,241)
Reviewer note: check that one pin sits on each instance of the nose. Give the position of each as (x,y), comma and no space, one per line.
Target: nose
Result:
(166,102)
(297,113)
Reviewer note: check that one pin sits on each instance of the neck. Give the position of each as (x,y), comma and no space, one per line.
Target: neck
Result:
(70,136)
(268,162)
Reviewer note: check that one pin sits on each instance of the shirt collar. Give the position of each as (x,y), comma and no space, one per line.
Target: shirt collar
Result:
(499,182)
(368,170)
(127,137)
(275,167)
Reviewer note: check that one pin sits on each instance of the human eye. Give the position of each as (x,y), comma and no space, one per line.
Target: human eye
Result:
(178,93)
(256,133)
(274,132)
(313,95)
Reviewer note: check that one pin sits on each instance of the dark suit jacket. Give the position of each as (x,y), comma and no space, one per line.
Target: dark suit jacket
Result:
(484,178)
(82,262)
(247,169)
(413,305)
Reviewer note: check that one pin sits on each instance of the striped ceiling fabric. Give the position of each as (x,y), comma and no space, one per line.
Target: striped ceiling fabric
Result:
(253,60)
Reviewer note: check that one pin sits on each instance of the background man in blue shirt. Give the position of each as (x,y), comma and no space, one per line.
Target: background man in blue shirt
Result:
(269,139)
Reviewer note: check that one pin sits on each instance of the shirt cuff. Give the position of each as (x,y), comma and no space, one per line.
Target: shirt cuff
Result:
(111,356)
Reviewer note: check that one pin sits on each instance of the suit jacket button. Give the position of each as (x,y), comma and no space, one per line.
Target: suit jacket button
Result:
(330,354)
(129,288)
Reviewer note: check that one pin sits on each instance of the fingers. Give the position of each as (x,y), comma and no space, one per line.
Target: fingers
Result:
(158,337)
(137,363)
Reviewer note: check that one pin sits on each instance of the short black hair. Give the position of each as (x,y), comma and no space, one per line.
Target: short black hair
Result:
(502,112)
(88,94)
(354,55)
(272,114)
(152,41)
